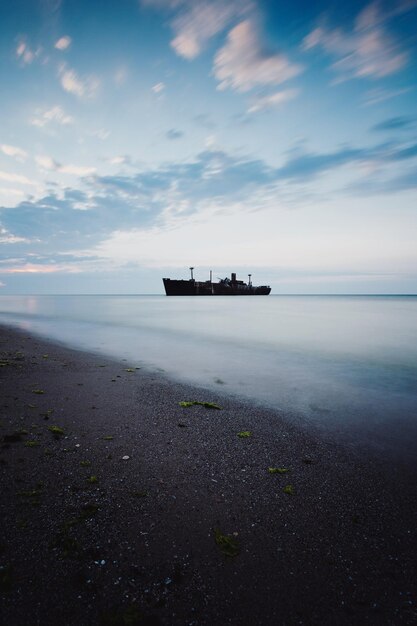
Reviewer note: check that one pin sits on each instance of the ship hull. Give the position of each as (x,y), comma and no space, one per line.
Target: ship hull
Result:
(196,288)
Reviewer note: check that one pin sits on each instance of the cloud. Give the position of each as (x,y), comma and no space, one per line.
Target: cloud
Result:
(9,191)
(195,22)
(200,21)
(7,238)
(76,220)
(123,159)
(56,114)
(81,87)
(365,51)
(40,268)
(15,178)
(243,64)
(394,123)
(47,163)
(273,101)
(12,151)
(26,54)
(173,133)
(375,96)
(63,43)
(158,87)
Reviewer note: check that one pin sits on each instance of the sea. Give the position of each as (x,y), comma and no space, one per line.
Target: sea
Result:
(343,365)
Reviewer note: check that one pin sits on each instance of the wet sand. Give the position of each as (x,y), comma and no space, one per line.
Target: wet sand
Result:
(137,510)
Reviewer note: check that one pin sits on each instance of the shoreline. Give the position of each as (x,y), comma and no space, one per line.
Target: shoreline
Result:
(146,538)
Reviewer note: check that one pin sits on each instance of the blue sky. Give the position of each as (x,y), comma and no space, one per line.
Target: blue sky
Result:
(139,137)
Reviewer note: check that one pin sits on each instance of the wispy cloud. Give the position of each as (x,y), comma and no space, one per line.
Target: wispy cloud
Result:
(26,54)
(273,101)
(375,96)
(15,178)
(195,22)
(63,43)
(243,64)
(212,183)
(8,238)
(55,114)
(200,21)
(158,87)
(82,87)
(13,151)
(368,50)
(47,163)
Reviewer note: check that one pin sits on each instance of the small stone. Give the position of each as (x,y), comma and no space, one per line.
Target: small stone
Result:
(125,457)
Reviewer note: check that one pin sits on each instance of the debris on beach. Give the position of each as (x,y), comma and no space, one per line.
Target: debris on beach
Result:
(207,405)
(227,544)
(108,438)
(57,431)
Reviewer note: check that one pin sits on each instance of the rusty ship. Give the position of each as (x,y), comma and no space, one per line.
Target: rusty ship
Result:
(224,287)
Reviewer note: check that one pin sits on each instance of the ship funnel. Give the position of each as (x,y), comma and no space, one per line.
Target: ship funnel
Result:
(233,277)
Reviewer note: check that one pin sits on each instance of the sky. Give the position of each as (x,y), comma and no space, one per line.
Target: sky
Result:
(140,137)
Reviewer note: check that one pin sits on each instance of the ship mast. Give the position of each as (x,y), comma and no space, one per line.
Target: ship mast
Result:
(191,269)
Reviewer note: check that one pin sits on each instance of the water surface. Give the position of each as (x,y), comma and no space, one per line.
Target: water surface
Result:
(347,364)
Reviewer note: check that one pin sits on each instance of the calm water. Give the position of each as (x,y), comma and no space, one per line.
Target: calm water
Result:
(347,364)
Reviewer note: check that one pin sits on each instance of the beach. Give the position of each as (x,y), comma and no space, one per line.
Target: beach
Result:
(121,506)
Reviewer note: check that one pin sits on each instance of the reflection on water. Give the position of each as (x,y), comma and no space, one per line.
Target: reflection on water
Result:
(347,364)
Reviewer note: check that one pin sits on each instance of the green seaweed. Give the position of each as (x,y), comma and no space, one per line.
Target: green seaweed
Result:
(31,444)
(139,494)
(289,489)
(244,434)
(227,544)
(278,470)
(92,479)
(38,391)
(57,431)
(85,463)
(207,405)
(108,438)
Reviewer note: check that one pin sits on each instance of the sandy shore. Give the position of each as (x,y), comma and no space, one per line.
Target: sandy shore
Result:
(137,510)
